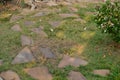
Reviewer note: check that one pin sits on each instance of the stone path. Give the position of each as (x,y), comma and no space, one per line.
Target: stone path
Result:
(26,55)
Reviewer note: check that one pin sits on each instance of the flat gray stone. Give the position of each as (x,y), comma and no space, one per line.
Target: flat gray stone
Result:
(66,15)
(16,27)
(39,73)
(39,14)
(29,23)
(9,75)
(46,52)
(23,56)
(39,31)
(54,24)
(25,40)
(101,72)
(15,18)
(1,62)
(76,62)
(75,76)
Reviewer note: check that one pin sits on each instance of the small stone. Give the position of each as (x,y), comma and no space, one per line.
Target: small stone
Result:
(9,75)
(101,72)
(23,56)
(46,52)
(16,27)
(15,18)
(39,31)
(28,23)
(1,62)
(75,76)
(68,15)
(76,62)
(26,40)
(55,24)
(39,73)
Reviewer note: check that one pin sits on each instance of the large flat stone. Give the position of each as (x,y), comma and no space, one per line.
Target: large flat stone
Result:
(39,31)
(16,27)
(23,56)
(47,53)
(29,23)
(25,40)
(76,62)
(39,73)
(101,72)
(9,75)
(67,15)
(54,24)
(75,76)
(15,18)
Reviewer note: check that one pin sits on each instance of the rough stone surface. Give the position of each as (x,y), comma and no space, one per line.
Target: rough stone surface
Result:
(54,24)
(16,27)
(46,52)
(75,76)
(29,23)
(39,73)
(41,14)
(15,18)
(1,62)
(9,75)
(25,40)
(76,62)
(39,31)
(66,15)
(23,56)
(102,72)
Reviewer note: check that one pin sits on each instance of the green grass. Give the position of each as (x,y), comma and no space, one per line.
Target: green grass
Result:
(90,44)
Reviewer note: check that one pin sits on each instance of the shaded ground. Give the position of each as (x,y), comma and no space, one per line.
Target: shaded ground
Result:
(58,31)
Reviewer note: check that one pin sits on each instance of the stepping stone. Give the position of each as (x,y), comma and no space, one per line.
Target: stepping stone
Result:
(15,18)
(76,62)
(41,14)
(16,27)
(80,20)
(9,75)
(75,76)
(1,62)
(66,15)
(54,24)
(39,31)
(25,40)
(47,53)
(39,73)
(29,23)
(23,56)
(101,72)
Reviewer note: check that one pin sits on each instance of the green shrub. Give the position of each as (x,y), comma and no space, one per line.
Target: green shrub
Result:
(108,19)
